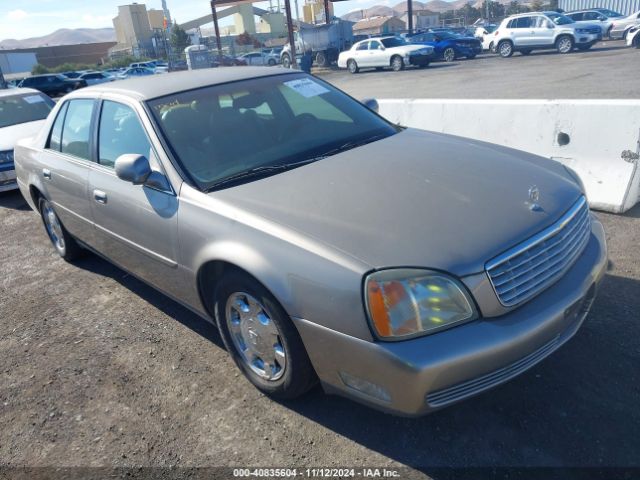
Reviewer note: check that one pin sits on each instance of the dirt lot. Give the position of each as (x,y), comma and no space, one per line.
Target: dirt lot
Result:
(97,369)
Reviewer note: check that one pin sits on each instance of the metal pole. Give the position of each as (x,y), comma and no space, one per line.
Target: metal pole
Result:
(287,7)
(410,15)
(3,83)
(327,18)
(214,14)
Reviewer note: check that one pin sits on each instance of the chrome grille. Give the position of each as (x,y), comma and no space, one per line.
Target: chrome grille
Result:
(525,270)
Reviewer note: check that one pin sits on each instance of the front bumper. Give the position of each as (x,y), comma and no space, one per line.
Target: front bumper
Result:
(583,38)
(419,60)
(7,177)
(431,372)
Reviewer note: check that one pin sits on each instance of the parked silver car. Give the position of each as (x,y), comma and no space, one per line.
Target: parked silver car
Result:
(621,26)
(402,268)
(602,17)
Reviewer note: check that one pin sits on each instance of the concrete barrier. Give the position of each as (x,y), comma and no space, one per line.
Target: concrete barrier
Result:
(599,139)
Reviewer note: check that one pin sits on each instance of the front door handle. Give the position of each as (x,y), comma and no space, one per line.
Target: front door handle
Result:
(46,173)
(99,196)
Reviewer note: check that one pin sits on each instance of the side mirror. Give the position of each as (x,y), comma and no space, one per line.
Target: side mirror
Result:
(371,104)
(133,168)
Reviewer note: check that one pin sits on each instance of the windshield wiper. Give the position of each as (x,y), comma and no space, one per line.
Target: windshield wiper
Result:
(257,172)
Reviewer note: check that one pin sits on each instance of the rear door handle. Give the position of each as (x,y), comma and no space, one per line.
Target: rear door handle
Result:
(46,173)
(99,196)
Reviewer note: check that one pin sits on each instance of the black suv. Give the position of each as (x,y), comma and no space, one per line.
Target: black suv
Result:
(53,85)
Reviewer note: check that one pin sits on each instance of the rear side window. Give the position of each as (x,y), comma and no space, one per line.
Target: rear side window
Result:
(363,46)
(523,22)
(576,16)
(120,132)
(55,140)
(77,129)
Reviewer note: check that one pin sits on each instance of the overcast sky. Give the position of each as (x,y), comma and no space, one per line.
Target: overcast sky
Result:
(34,18)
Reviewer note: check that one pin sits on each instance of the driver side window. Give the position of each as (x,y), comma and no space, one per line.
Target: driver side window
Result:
(120,132)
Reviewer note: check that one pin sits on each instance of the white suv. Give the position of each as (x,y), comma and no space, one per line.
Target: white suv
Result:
(543,30)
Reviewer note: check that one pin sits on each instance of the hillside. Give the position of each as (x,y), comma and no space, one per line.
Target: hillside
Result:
(63,36)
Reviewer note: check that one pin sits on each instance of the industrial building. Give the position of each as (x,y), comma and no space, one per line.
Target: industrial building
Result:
(136,29)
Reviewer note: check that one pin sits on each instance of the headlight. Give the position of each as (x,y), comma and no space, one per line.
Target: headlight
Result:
(6,156)
(403,303)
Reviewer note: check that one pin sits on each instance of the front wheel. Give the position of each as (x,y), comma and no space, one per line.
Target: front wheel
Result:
(352,66)
(564,44)
(397,63)
(505,49)
(271,62)
(62,241)
(449,54)
(261,338)
(286,61)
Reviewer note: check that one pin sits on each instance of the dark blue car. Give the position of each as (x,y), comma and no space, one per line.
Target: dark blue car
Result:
(448,45)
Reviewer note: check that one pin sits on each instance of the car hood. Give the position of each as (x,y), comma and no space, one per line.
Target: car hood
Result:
(9,136)
(415,199)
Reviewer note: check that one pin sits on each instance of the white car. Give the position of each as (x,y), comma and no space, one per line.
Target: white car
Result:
(633,37)
(22,113)
(259,58)
(95,78)
(543,31)
(620,28)
(384,52)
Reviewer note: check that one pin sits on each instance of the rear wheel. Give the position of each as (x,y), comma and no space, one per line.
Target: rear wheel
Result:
(62,241)
(286,61)
(449,54)
(271,62)
(321,59)
(352,66)
(505,48)
(564,44)
(397,63)
(261,338)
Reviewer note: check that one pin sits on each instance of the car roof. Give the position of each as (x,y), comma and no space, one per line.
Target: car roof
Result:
(7,92)
(160,85)
(528,14)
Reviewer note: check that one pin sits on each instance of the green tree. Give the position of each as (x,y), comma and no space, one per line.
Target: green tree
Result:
(39,69)
(179,39)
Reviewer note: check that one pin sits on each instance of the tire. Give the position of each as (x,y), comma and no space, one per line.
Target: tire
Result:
(274,359)
(624,34)
(636,41)
(62,241)
(449,54)
(352,66)
(505,49)
(492,48)
(397,63)
(564,44)
(584,48)
(525,52)
(286,61)
(321,59)
(271,62)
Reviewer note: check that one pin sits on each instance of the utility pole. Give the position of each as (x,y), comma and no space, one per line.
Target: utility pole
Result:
(292,43)
(214,14)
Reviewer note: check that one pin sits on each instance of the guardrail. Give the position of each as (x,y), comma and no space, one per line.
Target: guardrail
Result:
(598,139)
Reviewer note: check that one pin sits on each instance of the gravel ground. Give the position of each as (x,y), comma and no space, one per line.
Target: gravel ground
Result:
(608,70)
(97,369)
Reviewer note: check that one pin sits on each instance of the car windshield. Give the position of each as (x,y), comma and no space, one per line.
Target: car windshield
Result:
(266,123)
(560,19)
(393,42)
(23,108)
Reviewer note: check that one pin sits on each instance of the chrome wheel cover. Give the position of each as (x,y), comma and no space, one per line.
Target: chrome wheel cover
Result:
(52,224)
(352,66)
(564,45)
(397,64)
(255,336)
(505,49)
(449,55)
